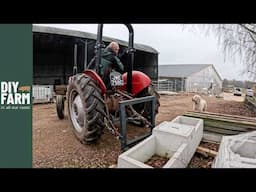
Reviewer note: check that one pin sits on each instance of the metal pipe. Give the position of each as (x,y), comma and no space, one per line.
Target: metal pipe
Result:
(131,52)
(123,126)
(98,47)
(131,36)
(75,60)
(122,111)
(85,54)
(152,117)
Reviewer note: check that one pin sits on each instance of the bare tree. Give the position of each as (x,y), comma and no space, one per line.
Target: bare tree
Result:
(237,38)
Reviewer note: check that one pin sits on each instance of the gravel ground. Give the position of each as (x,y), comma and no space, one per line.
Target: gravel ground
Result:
(55,146)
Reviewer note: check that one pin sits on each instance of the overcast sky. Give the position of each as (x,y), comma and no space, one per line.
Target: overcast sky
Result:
(175,45)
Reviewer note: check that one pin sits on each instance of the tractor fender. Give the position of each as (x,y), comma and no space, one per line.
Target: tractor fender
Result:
(97,79)
(139,81)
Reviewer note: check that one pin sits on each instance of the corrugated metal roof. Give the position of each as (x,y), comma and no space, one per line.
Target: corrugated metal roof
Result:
(60,31)
(182,70)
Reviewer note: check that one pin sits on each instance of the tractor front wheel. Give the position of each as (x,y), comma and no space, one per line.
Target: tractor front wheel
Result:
(86,108)
(60,106)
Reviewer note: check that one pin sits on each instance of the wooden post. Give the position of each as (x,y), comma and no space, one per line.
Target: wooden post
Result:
(205,151)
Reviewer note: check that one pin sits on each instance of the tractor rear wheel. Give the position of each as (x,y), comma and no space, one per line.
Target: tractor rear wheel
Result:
(86,108)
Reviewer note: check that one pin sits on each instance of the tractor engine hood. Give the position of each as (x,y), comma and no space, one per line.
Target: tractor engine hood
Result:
(139,82)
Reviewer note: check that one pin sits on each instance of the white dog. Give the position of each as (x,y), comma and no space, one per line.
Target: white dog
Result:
(199,103)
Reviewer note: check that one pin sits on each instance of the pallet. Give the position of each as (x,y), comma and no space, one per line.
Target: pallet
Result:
(224,124)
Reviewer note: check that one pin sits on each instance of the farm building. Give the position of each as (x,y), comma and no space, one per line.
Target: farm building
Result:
(53,54)
(190,78)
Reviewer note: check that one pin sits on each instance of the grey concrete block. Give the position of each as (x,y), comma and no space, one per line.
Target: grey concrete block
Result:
(139,154)
(238,151)
(177,140)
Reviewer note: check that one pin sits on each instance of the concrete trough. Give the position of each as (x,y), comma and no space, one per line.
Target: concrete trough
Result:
(154,145)
(237,151)
(176,140)
(182,130)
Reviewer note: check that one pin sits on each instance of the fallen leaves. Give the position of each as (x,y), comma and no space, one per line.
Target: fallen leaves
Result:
(157,161)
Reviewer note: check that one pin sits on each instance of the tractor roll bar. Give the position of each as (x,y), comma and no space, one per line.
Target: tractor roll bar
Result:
(130,51)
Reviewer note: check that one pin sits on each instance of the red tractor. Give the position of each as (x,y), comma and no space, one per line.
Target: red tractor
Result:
(91,107)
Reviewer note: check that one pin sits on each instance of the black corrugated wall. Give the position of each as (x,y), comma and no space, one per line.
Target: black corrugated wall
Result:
(53,58)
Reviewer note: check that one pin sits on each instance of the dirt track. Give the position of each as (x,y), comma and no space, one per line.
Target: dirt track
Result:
(54,144)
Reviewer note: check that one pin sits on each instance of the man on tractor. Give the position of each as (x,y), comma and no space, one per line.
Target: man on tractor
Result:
(94,95)
(109,62)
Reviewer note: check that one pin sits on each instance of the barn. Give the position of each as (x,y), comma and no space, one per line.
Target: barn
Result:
(53,57)
(53,54)
(198,78)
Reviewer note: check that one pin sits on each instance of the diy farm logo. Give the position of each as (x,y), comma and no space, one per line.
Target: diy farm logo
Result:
(14,96)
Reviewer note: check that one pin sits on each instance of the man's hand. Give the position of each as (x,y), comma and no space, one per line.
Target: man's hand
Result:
(120,55)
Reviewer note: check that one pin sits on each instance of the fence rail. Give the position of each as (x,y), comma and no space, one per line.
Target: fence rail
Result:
(166,85)
(179,86)
(42,94)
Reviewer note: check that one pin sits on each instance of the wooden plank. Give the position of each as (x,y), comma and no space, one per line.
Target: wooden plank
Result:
(251,101)
(222,119)
(223,114)
(240,127)
(203,151)
(224,125)
(221,131)
(212,137)
(229,126)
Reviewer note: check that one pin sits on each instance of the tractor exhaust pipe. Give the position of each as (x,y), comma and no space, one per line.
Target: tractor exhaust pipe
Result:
(98,47)
(75,60)
(131,51)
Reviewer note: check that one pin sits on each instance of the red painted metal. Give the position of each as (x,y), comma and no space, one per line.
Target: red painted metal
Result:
(96,78)
(139,81)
